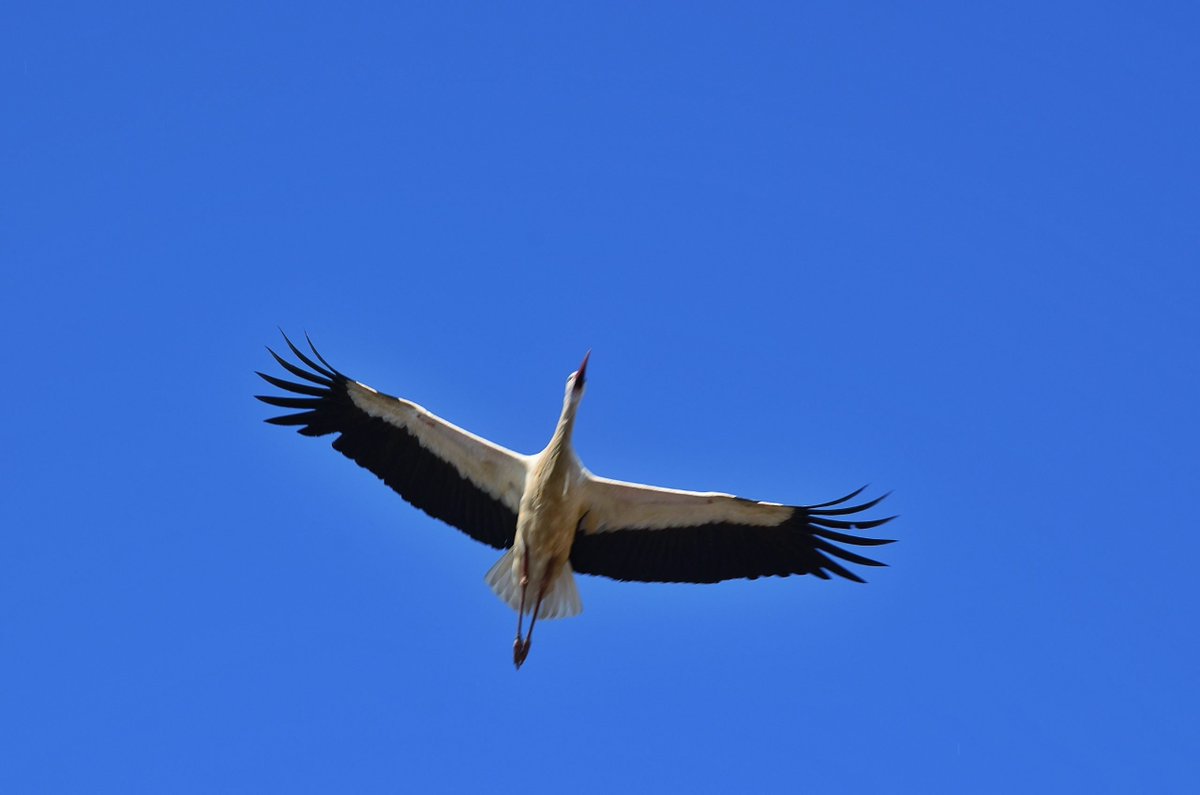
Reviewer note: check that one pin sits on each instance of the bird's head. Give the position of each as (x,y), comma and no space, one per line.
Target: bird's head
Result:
(576,382)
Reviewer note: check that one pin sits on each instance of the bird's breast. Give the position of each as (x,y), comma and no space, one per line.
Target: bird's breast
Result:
(549,512)
(546,523)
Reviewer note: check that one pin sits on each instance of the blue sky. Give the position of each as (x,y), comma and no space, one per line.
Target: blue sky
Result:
(947,249)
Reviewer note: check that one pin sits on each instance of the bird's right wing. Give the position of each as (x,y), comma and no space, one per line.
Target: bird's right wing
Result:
(447,472)
(650,534)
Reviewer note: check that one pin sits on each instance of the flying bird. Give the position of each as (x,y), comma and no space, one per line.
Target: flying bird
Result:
(551,515)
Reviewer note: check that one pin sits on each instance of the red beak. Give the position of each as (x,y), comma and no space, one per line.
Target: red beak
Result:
(582,370)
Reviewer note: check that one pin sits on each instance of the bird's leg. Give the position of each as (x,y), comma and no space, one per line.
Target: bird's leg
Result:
(521,612)
(537,606)
(521,649)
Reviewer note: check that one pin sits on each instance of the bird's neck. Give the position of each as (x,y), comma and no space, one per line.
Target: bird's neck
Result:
(560,442)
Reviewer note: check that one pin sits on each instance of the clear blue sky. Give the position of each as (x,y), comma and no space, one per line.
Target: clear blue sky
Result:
(949,249)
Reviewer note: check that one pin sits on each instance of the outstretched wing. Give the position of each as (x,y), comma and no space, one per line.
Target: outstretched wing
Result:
(447,472)
(649,534)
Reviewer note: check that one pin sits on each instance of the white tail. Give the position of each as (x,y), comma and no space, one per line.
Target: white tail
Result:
(561,601)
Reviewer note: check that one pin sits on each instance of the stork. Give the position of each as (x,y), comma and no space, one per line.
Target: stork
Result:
(553,517)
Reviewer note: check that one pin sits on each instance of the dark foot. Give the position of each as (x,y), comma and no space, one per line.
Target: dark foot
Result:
(520,652)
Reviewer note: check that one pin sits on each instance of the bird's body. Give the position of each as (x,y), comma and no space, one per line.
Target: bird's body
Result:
(553,516)
(535,575)
(550,512)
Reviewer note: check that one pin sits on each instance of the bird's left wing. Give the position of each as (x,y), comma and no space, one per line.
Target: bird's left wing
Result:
(649,534)
(449,473)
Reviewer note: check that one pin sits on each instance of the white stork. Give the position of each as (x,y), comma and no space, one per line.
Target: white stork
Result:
(554,517)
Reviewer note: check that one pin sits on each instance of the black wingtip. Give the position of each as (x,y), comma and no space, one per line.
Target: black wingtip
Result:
(330,373)
(841,524)
(290,402)
(317,353)
(292,386)
(299,371)
(850,509)
(840,500)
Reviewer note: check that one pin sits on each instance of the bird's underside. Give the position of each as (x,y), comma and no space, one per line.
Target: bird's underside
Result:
(550,514)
